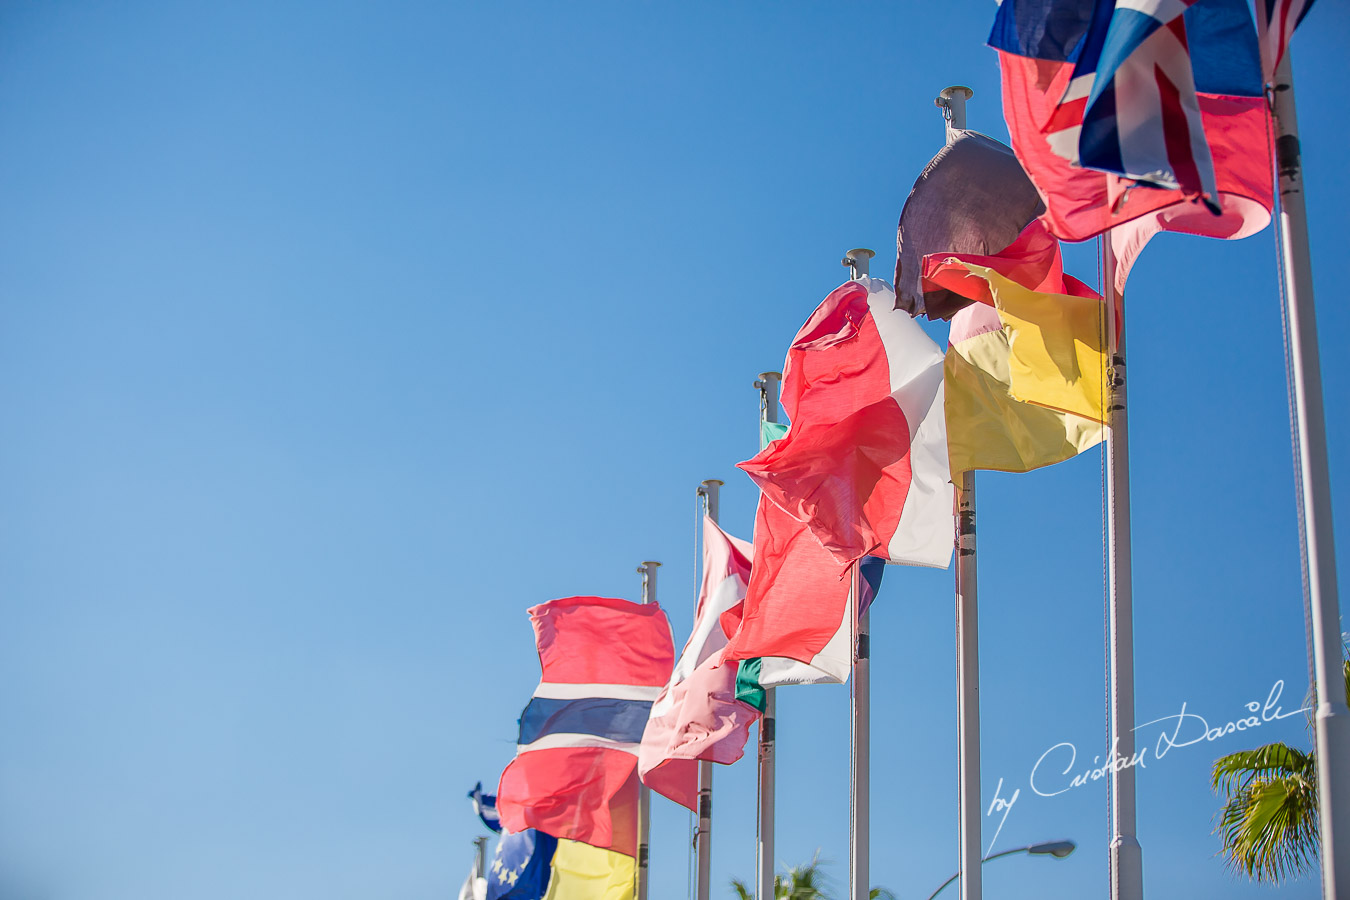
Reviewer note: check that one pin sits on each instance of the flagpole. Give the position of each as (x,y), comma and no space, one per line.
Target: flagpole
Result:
(861,696)
(768,384)
(1332,720)
(480,857)
(648,572)
(703,837)
(861,733)
(1126,856)
(952,101)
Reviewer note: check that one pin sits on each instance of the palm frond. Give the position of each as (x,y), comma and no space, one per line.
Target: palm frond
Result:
(1237,770)
(742,889)
(1269,822)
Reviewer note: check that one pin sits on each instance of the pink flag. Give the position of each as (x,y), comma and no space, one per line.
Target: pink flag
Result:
(574,775)
(698,716)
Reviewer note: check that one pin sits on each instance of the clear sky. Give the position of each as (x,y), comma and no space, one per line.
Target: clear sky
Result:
(335,335)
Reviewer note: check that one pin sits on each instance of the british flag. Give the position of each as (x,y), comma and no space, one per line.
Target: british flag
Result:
(1131,107)
(1282,17)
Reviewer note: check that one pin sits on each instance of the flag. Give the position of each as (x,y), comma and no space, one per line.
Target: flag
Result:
(520,866)
(830,666)
(1033,261)
(795,627)
(485,806)
(864,464)
(987,427)
(474,887)
(1041,41)
(575,772)
(972,197)
(754,675)
(1057,344)
(1282,17)
(697,715)
(583,872)
(1130,107)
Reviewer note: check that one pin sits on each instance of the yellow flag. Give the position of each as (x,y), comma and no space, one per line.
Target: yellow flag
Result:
(1057,344)
(986,427)
(583,872)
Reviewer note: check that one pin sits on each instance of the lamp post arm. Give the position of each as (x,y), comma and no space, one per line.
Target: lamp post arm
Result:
(1026,849)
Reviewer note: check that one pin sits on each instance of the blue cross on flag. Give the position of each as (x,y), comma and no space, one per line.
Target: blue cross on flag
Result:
(520,868)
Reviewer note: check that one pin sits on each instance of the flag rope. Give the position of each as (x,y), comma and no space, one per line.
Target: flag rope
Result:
(1102,326)
(1292,404)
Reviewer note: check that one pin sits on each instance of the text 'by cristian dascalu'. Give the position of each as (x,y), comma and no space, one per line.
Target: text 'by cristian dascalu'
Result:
(1059,771)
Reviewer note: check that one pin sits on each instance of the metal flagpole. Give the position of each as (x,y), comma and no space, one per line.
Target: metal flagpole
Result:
(1332,721)
(861,696)
(861,733)
(480,857)
(952,101)
(768,384)
(703,838)
(648,572)
(968,690)
(1126,857)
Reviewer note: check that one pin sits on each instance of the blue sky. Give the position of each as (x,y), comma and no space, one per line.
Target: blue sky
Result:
(334,336)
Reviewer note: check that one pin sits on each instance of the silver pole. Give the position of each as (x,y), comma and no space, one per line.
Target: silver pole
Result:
(952,101)
(860,695)
(768,384)
(1126,860)
(857,260)
(480,857)
(859,826)
(703,837)
(648,572)
(1332,721)
(968,689)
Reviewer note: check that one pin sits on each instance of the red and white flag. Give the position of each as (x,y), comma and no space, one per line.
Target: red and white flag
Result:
(697,716)
(795,619)
(1282,17)
(864,464)
(575,772)
(862,472)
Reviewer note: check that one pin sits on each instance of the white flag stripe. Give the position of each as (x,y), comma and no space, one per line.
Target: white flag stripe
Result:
(564,741)
(555,691)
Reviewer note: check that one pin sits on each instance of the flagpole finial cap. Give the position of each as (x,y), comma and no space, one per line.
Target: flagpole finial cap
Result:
(709,482)
(857,260)
(948,93)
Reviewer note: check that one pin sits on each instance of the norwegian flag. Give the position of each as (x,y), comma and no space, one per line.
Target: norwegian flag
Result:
(1131,107)
(1282,17)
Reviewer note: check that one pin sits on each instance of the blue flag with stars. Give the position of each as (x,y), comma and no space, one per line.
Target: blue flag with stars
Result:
(520,869)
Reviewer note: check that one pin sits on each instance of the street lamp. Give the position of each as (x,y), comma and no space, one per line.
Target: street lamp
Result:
(1057,849)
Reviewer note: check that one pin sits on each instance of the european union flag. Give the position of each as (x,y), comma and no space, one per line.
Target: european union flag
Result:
(520,869)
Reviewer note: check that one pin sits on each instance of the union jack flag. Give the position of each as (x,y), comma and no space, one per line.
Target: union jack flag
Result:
(1131,106)
(1282,17)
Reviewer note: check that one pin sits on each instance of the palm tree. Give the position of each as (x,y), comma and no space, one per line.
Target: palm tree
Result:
(804,882)
(1269,820)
